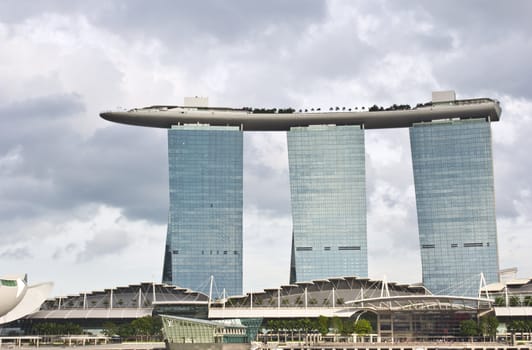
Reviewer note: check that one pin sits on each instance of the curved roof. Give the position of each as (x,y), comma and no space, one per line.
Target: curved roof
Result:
(133,296)
(421,302)
(122,302)
(166,116)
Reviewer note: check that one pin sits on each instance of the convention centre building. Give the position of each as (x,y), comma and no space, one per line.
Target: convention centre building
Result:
(397,312)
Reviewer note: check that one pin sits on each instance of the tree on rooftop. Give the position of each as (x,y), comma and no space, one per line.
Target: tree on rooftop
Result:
(499,301)
(515,301)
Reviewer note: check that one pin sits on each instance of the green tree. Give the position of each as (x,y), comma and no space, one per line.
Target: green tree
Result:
(500,301)
(45,328)
(274,326)
(157,326)
(337,325)
(307,325)
(363,327)
(323,325)
(468,328)
(143,327)
(71,328)
(126,331)
(291,326)
(348,327)
(488,326)
(515,301)
(519,326)
(109,329)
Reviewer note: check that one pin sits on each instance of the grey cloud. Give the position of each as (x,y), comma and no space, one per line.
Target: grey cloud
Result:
(266,186)
(121,166)
(513,167)
(40,107)
(61,252)
(58,170)
(187,22)
(490,67)
(479,19)
(104,244)
(183,22)
(266,189)
(26,120)
(484,33)
(16,253)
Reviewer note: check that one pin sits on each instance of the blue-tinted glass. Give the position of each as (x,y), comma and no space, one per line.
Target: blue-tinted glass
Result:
(205,221)
(328,192)
(453,176)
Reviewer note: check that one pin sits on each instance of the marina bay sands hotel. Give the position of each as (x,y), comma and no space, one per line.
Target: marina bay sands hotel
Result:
(453,175)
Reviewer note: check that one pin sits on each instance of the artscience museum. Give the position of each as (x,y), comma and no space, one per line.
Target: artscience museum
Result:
(17,299)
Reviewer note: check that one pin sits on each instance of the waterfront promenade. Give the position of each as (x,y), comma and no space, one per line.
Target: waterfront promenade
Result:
(108,346)
(290,346)
(283,346)
(400,346)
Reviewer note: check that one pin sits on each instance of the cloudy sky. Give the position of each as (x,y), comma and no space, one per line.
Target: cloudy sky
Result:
(83,202)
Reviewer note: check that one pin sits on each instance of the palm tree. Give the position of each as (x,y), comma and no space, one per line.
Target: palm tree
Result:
(515,301)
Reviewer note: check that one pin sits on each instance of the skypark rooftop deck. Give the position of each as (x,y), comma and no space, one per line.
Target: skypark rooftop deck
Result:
(283,119)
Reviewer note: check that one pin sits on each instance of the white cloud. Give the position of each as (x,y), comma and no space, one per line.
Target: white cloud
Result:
(514,237)
(267,149)
(267,244)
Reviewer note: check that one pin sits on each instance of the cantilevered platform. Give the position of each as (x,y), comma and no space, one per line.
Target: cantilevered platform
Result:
(248,120)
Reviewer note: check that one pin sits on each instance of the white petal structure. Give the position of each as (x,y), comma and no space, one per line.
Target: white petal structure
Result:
(17,299)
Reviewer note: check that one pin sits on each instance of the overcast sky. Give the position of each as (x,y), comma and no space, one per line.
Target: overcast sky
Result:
(83,202)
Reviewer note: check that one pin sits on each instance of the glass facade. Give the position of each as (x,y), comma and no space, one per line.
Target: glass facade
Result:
(453,175)
(204,235)
(328,194)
